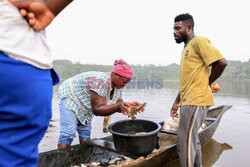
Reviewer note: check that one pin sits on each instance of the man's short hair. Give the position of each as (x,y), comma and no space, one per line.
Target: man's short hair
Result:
(186,17)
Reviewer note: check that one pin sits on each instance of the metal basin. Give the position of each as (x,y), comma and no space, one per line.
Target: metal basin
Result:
(135,137)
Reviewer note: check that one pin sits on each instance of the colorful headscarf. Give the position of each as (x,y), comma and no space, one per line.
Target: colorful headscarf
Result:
(123,68)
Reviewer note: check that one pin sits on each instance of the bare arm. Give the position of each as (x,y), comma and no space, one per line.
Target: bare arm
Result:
(100,107)
(56,6)
(217,69)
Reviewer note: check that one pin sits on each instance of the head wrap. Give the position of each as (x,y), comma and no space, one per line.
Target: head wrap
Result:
(123,68)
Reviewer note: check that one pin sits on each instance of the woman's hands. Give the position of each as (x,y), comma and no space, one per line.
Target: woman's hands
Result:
(123,107)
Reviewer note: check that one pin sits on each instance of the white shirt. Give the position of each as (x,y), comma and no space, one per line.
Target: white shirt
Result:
(19,41)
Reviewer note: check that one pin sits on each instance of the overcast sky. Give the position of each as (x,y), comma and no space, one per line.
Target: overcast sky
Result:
(141,31)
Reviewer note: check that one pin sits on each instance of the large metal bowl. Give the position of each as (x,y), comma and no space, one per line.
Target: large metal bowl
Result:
(138,144)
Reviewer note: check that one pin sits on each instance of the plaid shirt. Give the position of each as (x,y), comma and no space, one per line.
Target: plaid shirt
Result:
(77,91)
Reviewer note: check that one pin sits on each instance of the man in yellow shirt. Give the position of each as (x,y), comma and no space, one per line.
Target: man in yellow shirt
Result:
(198,59)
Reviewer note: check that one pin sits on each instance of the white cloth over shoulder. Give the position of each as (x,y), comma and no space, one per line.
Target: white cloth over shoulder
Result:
(19,41)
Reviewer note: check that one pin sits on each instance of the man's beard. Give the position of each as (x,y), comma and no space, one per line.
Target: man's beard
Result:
(181,39)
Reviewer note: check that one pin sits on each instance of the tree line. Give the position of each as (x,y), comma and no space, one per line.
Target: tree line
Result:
(235,71)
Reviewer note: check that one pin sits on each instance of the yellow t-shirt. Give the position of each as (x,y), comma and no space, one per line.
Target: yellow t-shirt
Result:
(196,58)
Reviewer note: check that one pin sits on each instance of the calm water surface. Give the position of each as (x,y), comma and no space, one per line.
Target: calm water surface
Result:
(229,147)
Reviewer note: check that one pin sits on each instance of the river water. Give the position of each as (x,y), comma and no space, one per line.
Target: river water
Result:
(229,147)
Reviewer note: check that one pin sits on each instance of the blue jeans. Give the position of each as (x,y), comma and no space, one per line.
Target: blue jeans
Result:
(69,124)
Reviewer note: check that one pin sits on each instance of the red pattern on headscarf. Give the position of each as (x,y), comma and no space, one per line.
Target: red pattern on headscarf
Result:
(123,68)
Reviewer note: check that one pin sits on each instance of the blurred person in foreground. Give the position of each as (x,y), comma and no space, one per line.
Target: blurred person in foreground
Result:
(26,86)
(88,94)
(199,58)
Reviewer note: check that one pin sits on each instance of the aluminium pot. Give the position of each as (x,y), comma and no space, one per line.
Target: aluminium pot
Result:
(136,137)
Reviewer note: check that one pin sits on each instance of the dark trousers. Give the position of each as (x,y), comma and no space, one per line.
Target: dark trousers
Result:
(188,143)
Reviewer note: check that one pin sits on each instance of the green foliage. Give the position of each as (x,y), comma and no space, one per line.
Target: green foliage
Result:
(235,71)
(67,69)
